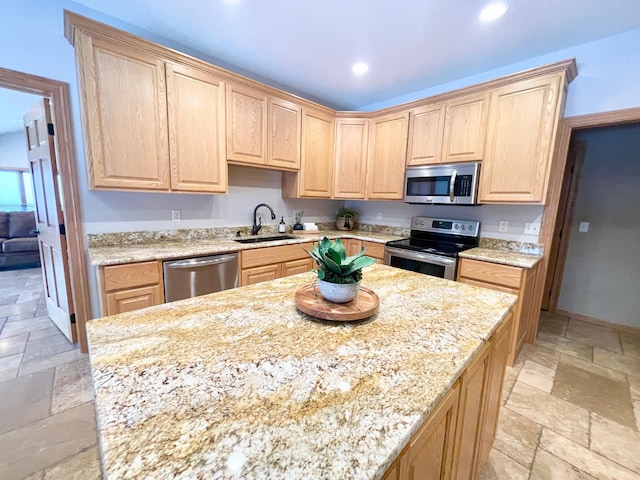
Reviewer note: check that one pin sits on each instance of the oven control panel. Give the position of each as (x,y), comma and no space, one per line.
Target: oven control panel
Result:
(446,225)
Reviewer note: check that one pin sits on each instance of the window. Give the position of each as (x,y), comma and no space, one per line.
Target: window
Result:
(16,190)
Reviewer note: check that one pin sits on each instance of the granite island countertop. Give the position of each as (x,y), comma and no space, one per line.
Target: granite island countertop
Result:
(165,250)
(240,384)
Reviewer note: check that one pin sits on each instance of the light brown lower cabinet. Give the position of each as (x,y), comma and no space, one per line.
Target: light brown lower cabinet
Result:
(515,280)
(373,249)
(454,442)
(263,264)
(130,286)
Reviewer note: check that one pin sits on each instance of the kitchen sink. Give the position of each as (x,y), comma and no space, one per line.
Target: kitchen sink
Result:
(275,238)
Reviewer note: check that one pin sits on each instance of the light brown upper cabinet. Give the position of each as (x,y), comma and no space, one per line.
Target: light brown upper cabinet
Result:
(285,134)
(387,154)
(124,112)
(315,179)
(426,129)
(246,125)
(261,130)
(522,125)
(447,132)
(465,128)
(352,141)
(196,130)
(149,124)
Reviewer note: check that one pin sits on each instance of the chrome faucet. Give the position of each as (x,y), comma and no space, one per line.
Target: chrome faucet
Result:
(256,227)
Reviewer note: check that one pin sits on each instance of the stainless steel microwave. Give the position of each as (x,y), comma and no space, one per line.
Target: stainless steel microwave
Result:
(454,184)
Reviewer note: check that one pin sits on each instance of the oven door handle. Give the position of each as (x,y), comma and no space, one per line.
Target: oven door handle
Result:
(452,185)
(411,255)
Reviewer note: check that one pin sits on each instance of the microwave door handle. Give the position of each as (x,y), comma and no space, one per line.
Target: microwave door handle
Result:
(452,185)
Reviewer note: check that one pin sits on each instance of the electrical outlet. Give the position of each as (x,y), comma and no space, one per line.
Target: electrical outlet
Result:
(503,226)
(532,229)
(176,215)
(379,216)
(584,227)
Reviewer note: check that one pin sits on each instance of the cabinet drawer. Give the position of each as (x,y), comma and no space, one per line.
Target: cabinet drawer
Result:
(374,249)
(294,267)
(269,255)
(117,277)
(494,273)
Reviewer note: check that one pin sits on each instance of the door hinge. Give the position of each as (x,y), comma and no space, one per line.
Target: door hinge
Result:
(72,318)
(50,129)
(62,229)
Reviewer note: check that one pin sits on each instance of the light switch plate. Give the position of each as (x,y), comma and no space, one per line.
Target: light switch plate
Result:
(584,227)
(532,229)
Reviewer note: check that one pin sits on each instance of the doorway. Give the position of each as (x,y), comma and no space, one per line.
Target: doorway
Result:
(58,95)
(583,287)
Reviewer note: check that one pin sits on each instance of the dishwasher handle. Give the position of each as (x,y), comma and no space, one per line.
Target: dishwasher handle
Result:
(203,262)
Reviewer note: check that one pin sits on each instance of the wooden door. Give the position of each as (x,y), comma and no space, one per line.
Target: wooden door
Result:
(196,111)
(387,155)
(316,168)
(426,128)
(352,140)
(352,246)
(133,299)
(522,123)
(39,131)
(471,415)
(246,125)
(499,353)
(465,129)
(250,276)
(123,100)
(285,134)
(430,451)
(294,267)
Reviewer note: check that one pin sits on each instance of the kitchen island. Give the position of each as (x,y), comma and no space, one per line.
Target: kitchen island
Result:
(240,384)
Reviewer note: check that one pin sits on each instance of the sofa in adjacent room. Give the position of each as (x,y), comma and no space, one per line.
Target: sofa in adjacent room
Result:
(18,240)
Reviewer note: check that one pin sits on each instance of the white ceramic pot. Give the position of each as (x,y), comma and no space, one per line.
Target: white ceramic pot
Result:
(337,292)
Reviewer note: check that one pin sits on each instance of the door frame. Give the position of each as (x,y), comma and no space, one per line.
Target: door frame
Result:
(58,93)
(564,223)
(566,128)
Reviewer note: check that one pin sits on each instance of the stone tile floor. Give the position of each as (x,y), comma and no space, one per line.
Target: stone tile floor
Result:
(571,403)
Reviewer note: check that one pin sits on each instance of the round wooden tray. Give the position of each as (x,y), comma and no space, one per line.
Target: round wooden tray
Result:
(310,301)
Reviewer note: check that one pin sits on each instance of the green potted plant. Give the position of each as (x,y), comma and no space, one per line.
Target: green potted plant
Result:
(346,218)
(339,276)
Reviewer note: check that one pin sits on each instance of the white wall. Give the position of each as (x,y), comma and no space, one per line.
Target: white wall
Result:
(608,72)
(602,272)
(247,188)
(399,214)
(13,150)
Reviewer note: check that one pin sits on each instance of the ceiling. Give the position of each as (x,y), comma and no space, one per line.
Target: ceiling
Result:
(308,46)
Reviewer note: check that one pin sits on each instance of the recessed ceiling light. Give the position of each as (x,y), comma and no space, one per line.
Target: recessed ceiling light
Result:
(359,68)
(493,11)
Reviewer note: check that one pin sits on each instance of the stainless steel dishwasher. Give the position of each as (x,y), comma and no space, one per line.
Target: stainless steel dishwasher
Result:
(191,277)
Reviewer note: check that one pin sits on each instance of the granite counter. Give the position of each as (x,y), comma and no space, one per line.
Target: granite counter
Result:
(240,384)
(165,250)
(504,257)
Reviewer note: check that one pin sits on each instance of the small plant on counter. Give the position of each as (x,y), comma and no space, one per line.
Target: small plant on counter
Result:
(345,218)
(336,270)
(345,212)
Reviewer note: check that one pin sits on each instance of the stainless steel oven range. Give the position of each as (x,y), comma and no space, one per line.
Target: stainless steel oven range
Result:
(433,246)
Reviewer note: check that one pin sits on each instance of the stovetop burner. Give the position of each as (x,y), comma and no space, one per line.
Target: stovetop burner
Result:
(440,236)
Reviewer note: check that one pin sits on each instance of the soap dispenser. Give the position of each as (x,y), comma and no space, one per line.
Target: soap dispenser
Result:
(282,227)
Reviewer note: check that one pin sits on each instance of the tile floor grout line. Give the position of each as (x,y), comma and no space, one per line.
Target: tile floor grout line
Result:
(535,453)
